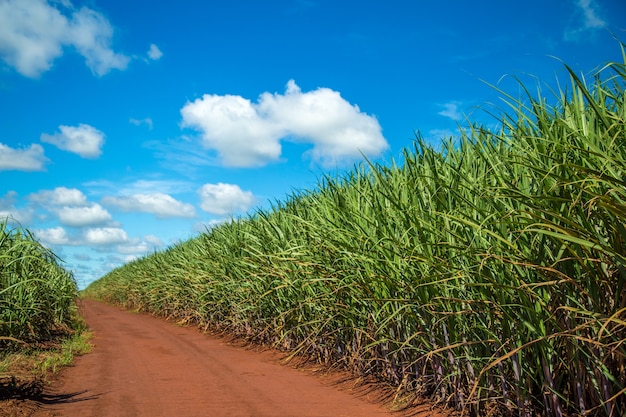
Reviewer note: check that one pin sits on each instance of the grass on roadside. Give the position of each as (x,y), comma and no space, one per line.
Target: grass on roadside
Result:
(40,329)
(42,359)
(25,372)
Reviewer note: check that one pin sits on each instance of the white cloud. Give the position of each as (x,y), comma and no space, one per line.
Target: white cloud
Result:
(159,204)
(84,140)
(53,236)
(451,111)
(233,127)
(154,53)
(91,215)
(105,236)
(29,159)
(248,134)
(33,33)
(60,196)
(91,34)
(223,198)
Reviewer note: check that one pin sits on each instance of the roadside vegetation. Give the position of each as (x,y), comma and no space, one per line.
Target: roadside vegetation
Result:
(40,329)
(37,295)
(489,275)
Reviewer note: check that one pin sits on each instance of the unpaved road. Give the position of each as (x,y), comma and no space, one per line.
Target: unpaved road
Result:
(144,366)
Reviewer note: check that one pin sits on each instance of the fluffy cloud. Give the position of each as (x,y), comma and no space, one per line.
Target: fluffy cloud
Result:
(84,140)
(105,236)
(91,215)
(248,134)
(154,53)
(53,236)
(33,34)
(60,196)
(223,198)
(29,159)
(159,204)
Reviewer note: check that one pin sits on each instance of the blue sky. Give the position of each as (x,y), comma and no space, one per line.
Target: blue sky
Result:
(128,126)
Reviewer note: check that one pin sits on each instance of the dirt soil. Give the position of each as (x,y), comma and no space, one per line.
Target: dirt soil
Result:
(144,366)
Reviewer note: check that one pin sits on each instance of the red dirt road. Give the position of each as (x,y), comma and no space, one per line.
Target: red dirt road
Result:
(144,366)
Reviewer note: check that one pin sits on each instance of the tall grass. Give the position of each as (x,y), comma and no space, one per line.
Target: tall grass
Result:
(488,275)
(37,294)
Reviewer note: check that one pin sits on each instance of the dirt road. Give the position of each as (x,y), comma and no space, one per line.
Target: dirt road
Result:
(144,366)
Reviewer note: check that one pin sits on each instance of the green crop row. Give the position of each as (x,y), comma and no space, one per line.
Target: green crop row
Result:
(37,295)
(489,275)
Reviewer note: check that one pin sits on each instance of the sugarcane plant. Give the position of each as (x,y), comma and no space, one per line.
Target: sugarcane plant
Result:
(37,294)
(488,275)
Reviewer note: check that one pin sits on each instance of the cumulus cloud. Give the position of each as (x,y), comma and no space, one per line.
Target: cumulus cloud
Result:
(53,236)
(60,196)
(154,53)
(84,140)
(91,215)
(160,204)
(33,33)
(248,134)
(105,236)
(223,198)
(29,159)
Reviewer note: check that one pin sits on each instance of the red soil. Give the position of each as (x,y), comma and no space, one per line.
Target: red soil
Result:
(144,366)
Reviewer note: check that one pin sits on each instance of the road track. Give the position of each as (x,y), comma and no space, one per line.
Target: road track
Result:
(145,366)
